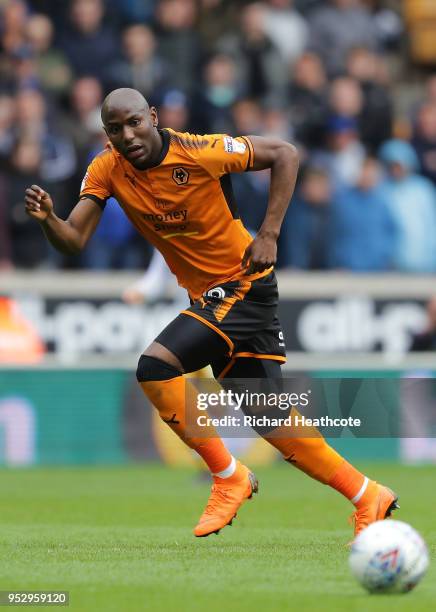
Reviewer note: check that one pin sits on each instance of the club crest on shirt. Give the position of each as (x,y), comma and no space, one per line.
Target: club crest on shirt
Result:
(180,176)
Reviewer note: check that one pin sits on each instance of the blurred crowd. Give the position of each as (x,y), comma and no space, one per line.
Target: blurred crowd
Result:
(318,73)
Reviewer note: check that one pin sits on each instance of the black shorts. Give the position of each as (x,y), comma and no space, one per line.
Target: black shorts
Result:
(243,313)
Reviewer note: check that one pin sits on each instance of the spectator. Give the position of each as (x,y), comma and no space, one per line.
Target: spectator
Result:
(426,340)
(58,161)
(250,188)
(387,23)
(345,152)
(83,123)
(276,123)
(174,111)
(376,115)
(305,237)
(24,66)
(132,11)
(51,67)
(90,46)
(6,145)
(179,43)
(251,194)
(305,7)
(14,15)
(86,100)
(57,11)
(213,102)
(424,141)
(261,70)
(216,18)
(307,100)
(5,238)
(363,231)
(430,89)
(412,199)
(337,28)
(345,98)
(115,245)
(29,247)
(7,115)
(256,79)
(286,28)
(12,42)
(141,68)
(247,117)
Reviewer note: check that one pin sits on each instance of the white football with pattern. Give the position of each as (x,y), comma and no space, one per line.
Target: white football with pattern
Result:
(389,557)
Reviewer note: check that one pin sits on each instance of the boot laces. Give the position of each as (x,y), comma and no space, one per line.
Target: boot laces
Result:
(217,497)
(359,516)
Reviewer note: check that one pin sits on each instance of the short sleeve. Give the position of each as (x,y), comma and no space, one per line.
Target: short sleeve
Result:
(223,154)
(96,183)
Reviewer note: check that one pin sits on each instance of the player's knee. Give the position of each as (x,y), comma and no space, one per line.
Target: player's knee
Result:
(150,368)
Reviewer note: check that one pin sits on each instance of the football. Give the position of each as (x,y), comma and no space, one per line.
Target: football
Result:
(389,557)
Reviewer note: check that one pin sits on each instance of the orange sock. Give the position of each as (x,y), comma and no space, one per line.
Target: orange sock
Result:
(311,455)
(350,482)
(306,448)
(170,397)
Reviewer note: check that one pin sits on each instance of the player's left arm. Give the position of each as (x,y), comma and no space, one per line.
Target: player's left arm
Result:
(282,158)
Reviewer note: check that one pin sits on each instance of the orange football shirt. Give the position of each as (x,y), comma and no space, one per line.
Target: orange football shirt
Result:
(184,204)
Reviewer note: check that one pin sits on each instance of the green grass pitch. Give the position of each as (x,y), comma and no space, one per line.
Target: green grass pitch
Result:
(121,539)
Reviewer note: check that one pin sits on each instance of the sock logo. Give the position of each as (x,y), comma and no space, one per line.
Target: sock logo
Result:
(172,420)
(291,459)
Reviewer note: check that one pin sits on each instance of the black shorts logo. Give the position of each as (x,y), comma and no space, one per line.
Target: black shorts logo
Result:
(180,176)
(216,292)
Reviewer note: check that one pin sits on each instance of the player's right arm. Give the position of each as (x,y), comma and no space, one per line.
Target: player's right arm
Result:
(69,236)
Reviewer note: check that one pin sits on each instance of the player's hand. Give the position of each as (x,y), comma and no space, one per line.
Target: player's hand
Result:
(39,204)
(260,254)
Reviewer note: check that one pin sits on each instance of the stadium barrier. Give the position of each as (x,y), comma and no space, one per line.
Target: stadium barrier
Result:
(80,403)
(81,315)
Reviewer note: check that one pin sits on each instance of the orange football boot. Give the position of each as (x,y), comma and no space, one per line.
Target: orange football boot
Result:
(377,503)
(226,497)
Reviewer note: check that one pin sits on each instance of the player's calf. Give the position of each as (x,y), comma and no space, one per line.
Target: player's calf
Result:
(319,460)
(165,387)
